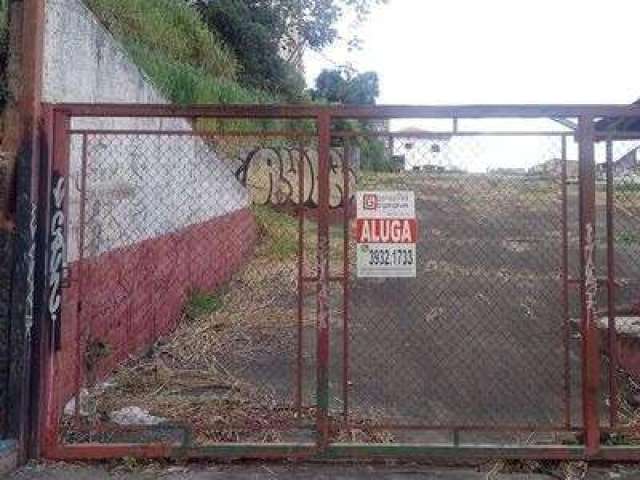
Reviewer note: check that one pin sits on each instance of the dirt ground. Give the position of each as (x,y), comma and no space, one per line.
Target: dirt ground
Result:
(477,340)
(493,471)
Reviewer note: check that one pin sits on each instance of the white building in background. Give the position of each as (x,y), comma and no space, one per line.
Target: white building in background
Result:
(424,151)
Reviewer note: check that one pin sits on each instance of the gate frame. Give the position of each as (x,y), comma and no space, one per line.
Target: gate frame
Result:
(59,128)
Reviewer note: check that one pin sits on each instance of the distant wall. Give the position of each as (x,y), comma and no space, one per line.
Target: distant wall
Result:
(163,214)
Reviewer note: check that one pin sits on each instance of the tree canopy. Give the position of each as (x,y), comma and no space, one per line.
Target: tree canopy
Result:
(340,86)
(268,36)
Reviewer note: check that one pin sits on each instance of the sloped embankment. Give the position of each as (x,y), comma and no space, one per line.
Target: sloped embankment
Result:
(171,43)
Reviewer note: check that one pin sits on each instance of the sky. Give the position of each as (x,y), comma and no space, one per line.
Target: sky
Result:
(497,51)
(439,52)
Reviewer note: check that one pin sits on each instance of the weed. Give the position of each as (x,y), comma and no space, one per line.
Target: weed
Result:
(628,238)
(278,232)
(201,303)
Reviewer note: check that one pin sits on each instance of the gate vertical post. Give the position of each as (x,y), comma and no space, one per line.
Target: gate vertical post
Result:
(323,288)
(45,390)
(565,288)
(588,287)
(611,292)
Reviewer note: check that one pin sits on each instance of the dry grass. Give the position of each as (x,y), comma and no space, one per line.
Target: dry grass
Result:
(197,377)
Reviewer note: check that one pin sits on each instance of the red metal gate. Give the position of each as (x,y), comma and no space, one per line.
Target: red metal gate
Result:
(205,296)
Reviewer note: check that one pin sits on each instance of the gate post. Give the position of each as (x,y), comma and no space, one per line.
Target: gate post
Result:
(323,313)
(588,287)
(44,388)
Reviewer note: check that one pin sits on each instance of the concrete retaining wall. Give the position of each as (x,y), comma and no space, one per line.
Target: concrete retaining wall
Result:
(163,214)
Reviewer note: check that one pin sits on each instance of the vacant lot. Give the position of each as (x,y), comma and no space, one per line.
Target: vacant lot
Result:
(478,339)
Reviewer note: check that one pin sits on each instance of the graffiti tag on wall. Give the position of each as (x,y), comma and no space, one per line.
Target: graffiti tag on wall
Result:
(591,282)
(280,176)
(30,261)
(56,254)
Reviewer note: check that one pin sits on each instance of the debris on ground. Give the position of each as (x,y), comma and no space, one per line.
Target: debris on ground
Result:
(134,416)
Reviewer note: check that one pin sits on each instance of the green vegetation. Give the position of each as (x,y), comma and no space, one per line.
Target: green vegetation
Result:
(346,87)
(374,156)
(171,43)
(278,233)
(269,38)
(227,51)
(343,86)
(255,31)
(4,46)
(628,238)
(627,186)
(186,84)
(201,303)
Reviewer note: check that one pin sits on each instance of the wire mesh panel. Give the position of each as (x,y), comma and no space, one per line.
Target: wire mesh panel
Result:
(479,338)
(336,279)
(618,179)
(188,252)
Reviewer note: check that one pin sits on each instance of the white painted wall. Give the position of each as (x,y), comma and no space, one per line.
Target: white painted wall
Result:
(141,186)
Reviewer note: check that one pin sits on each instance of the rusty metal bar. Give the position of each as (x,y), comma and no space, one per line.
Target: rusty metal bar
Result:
(453,453)
(611,293)
(197,133)
(446,135)
(243,451)
(41,331)
(588,287)
(336,133)
(565,288)
(346,278)
(23,130)
(50,409)
(300,330)
(323,312)
(348,111)
(80,266)
(470,428)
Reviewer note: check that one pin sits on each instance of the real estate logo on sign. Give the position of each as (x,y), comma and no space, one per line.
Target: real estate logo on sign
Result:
(386,234)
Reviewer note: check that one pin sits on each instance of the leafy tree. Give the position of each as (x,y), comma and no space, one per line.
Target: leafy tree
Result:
(342,86)
(348,88)
(269,35)
(252,29)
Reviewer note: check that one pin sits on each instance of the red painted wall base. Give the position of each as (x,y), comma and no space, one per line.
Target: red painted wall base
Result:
(134,295)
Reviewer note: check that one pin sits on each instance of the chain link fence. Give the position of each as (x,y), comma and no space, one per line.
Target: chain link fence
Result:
(479,339)
(194,310)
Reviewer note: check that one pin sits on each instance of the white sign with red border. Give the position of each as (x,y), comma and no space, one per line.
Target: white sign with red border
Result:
(386,234)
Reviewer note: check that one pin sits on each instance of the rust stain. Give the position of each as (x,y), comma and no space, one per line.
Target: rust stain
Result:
(591,281)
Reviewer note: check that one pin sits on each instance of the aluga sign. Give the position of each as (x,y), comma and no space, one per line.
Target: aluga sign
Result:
(386,234)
